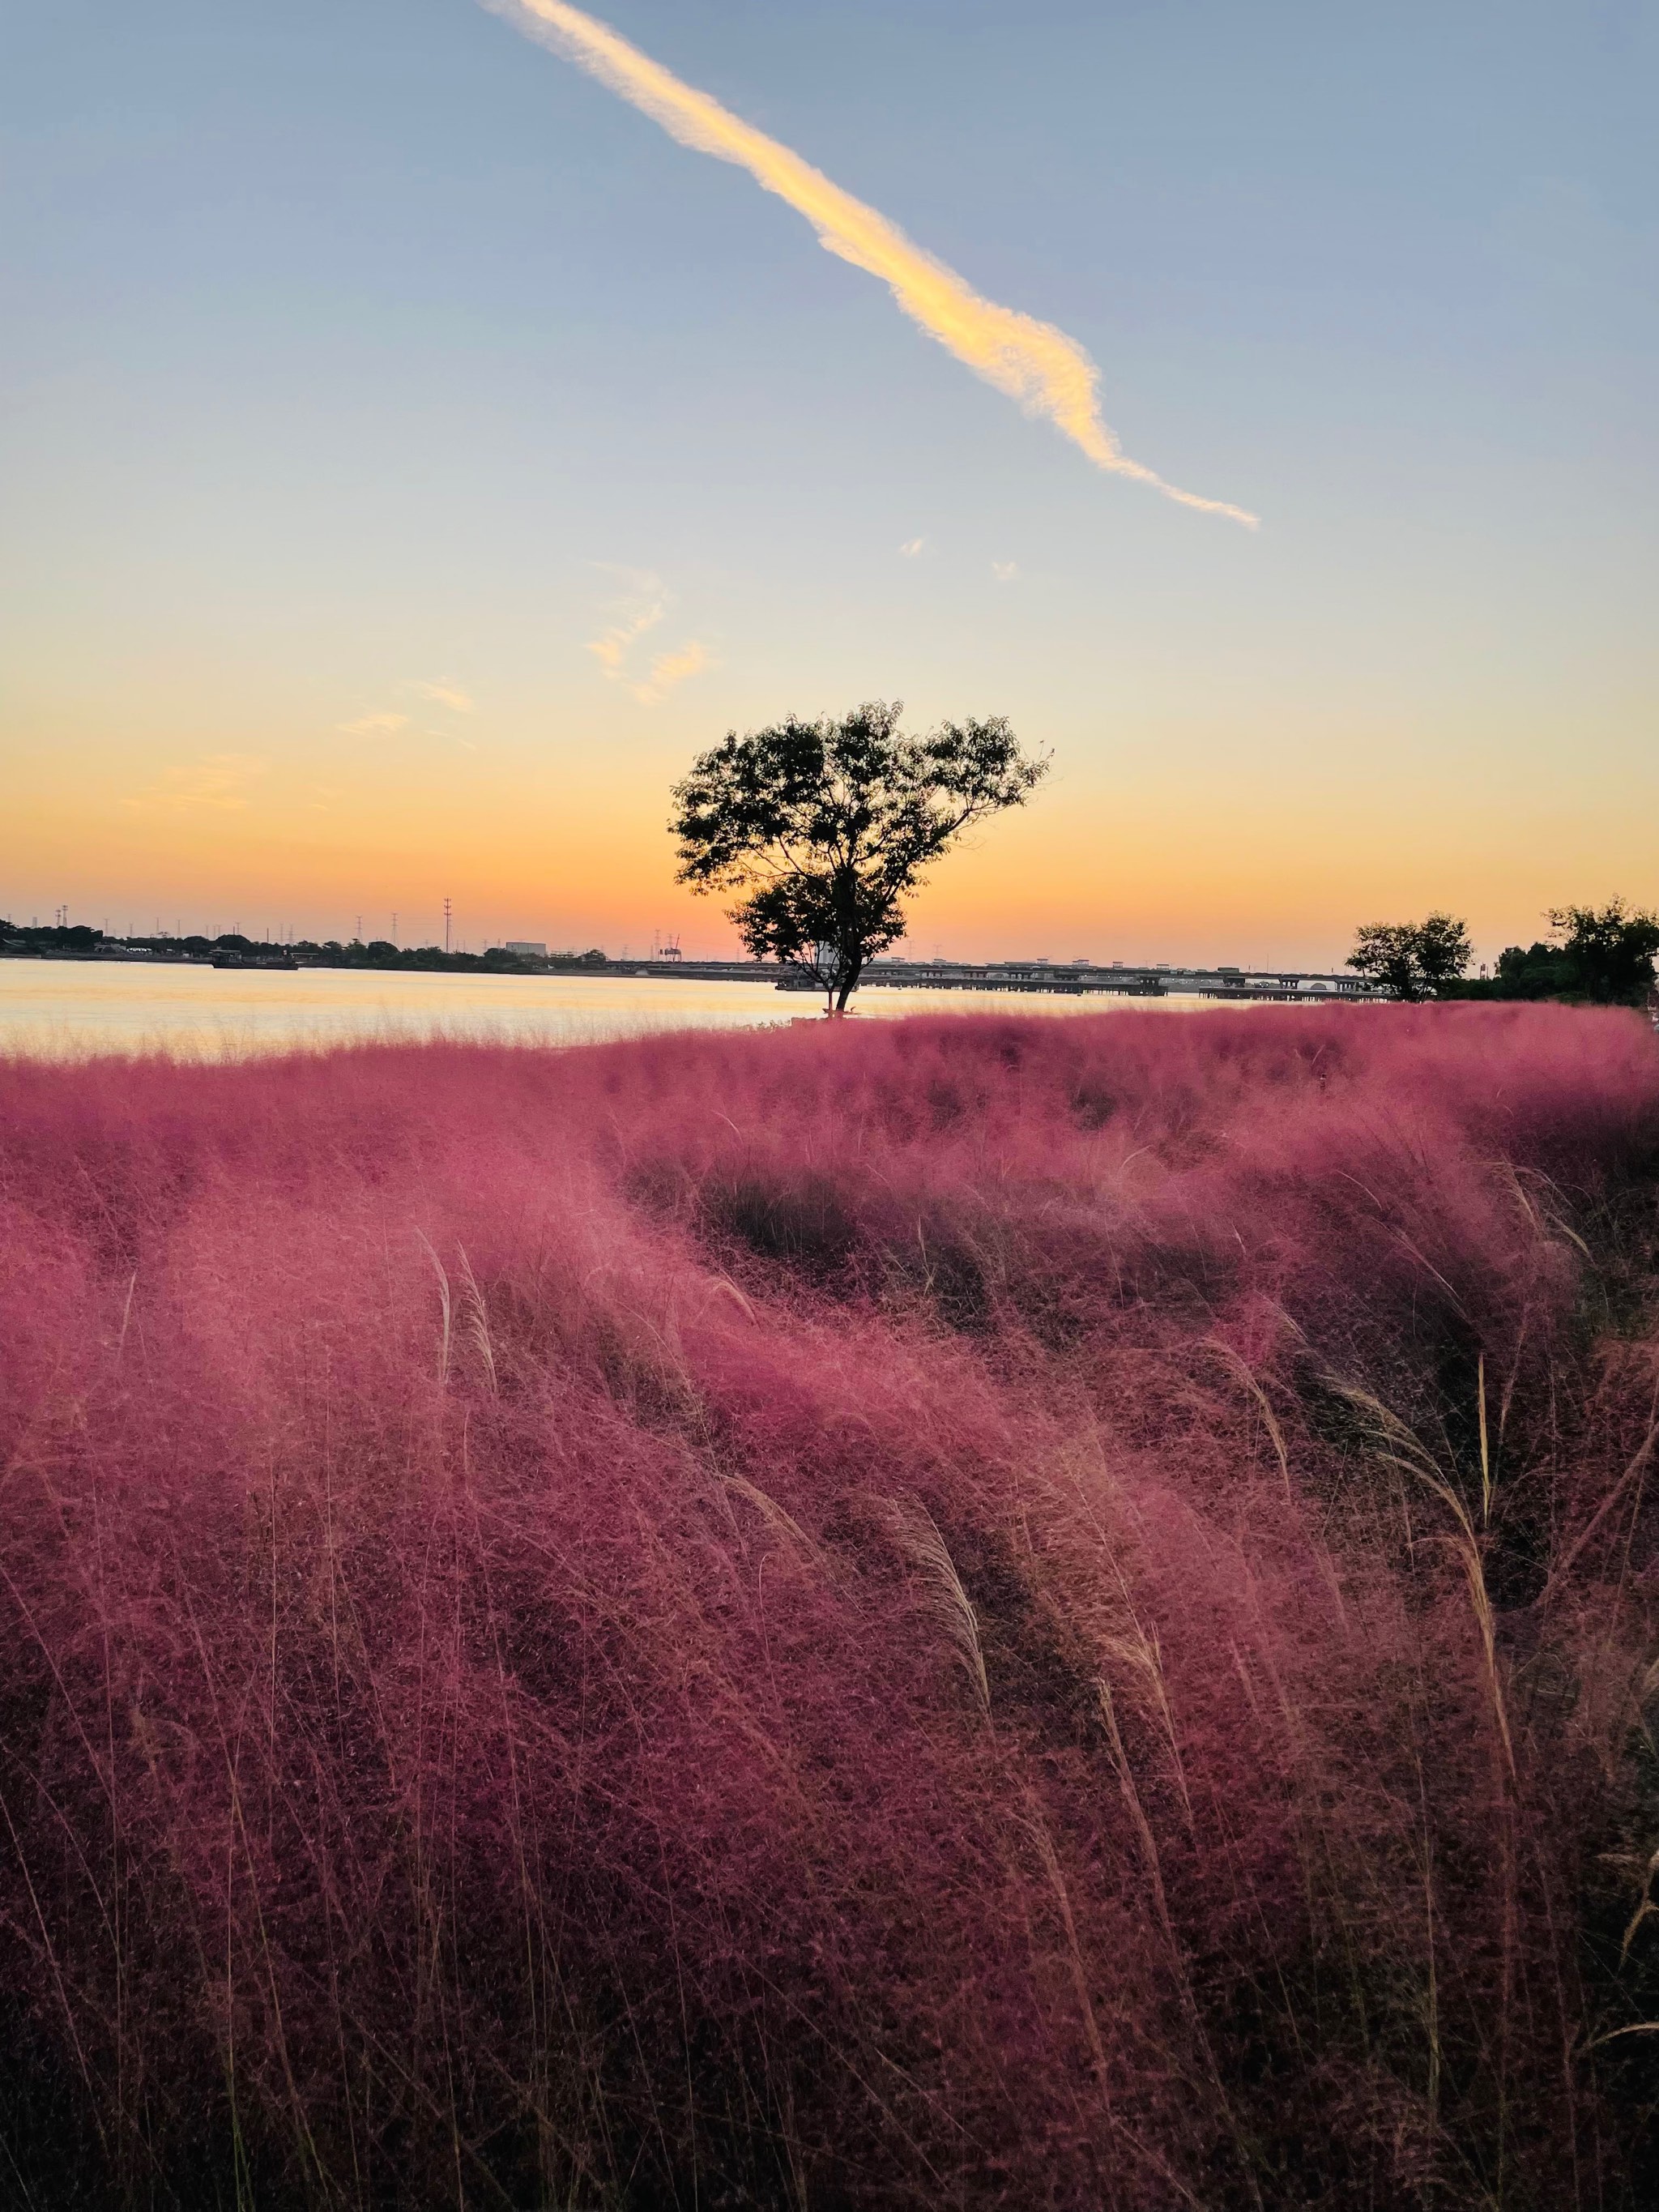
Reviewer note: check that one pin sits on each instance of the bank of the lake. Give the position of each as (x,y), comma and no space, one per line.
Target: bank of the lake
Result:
(64,1008)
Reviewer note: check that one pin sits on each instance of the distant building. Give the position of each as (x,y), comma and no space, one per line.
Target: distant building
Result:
(525,949)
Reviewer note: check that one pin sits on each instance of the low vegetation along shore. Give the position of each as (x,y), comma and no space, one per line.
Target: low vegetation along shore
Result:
(984,1612)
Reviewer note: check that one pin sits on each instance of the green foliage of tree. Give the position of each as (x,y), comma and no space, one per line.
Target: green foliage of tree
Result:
(825,828)
(1413,960)
(1531,971)
(1608,952)
(1594,956)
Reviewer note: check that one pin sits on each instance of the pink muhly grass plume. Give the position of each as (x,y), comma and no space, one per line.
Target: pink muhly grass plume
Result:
(978,1612)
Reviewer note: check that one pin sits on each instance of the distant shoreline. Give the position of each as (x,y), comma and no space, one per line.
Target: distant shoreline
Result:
(1020,978)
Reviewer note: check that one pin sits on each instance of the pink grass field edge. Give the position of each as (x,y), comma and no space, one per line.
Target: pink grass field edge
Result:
(951,1613)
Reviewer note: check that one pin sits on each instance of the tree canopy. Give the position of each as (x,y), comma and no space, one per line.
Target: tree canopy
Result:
(1598,955)
(825,828)
(1603,956)
(1609,950)
(1412,959)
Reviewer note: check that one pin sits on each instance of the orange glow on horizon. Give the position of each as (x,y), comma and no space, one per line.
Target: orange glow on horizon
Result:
(581,860)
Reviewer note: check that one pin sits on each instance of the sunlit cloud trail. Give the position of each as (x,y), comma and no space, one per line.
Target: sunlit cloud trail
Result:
(1048,372)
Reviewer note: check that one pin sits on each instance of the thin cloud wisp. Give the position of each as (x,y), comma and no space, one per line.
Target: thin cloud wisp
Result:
(1048,373)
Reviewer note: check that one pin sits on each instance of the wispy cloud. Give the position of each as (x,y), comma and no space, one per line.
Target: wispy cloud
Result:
(610,648)
(668,669)
(216,784)
(1048,373)
(1004,571)
(388,722)
(446,695)
(641,583)
(647,603)
(912,547)
(374,726)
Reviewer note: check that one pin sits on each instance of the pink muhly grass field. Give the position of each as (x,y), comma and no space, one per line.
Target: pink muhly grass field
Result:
(953,1613)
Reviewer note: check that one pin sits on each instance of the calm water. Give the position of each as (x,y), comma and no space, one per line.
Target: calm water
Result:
(66,1008)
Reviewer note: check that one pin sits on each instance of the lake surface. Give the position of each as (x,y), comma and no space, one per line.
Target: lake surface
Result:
(65,1009)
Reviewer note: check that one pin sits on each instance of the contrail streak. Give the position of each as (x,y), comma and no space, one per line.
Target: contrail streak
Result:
(1048,373)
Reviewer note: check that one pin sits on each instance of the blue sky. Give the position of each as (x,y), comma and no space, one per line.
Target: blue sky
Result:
(357,356)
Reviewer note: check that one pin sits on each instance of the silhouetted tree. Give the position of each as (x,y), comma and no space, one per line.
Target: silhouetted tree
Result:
(1607,950)
(1603,956)
(1412,959)
(64,938)
(1539,970)
(826,827)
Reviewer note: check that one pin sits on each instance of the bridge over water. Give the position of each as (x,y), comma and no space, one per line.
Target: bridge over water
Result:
(1071,979)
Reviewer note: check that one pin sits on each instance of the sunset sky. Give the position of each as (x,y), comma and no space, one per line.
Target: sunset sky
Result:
(413,451)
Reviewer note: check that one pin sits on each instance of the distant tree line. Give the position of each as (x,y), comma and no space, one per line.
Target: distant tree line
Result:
(74,939)
(78,941)
(1592,955)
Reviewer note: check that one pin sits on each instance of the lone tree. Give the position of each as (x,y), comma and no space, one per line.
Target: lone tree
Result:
(826,827)
(1412,959)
